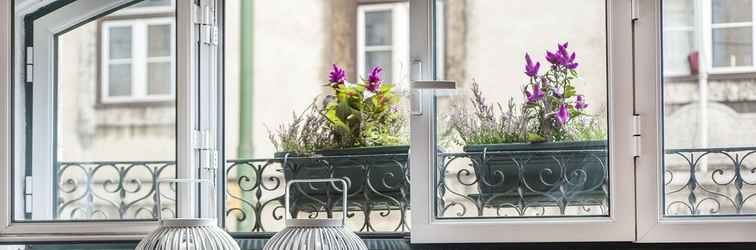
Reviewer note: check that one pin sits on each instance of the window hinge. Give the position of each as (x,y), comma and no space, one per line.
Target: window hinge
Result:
(636,135)
(28,194)
(201,140)
(206,22)
(29,64)
(634,15)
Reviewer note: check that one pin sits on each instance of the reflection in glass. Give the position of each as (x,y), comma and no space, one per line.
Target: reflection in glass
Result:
(109,142)
(709,125)
(304,99)
(732,47)
(120,42)
(525,135)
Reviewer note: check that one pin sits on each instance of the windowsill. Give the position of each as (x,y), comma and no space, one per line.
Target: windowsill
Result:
(136,104)
(713,76)
(398,243)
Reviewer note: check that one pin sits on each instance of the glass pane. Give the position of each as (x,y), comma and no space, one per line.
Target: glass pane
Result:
(378,28)
(119,39)
(159,40)
(159,78)
(732,47)
(97,152)
(119,80)
(679,13)
(710,129)
(678,52)
(379,58)
(283,119)
(731,11)
(523,139)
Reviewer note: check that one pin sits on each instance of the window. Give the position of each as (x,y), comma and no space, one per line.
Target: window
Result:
(137,60)
(69,163)
(732,34)
(680,38)
(694,170)
(382,39)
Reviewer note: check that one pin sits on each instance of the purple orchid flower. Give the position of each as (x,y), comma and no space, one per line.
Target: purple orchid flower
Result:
(562,115)
(337,76)
(374,79)
(530,68)
(537,94)
(580,103)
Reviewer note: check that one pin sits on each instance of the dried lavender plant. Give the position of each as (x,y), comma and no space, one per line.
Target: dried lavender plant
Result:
(484,125)
(306,133)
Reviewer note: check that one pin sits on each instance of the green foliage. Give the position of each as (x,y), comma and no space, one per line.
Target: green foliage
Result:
(353,116)
(363,118)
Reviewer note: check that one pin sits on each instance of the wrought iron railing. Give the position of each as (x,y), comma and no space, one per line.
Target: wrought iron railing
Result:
(710,182)
(112,190)
(569,182)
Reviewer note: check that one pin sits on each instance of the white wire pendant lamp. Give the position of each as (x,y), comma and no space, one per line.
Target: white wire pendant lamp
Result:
(316,234)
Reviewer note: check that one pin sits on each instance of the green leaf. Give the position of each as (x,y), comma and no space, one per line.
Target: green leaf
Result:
(532,137)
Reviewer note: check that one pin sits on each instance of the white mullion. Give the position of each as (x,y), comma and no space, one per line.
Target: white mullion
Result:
(186,101)
(139,66)
(731,25)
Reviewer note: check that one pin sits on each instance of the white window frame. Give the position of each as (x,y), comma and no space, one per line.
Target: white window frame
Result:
(139,60)
(187,82)
(618,226)
(399,37)
(652,225)
(709,27)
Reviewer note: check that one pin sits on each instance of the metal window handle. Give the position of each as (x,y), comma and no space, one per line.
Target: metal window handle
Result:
(331,180)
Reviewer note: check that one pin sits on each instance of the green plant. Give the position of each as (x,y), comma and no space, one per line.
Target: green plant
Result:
(308,131)
(552,111)
(363,114)
(485,125)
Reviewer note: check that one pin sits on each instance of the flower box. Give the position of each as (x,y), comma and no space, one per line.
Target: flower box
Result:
(537,171)
(374,174)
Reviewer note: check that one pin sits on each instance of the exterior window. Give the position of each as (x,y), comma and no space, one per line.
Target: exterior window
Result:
(382,39)
(137,60)
(732,35)
(679,38)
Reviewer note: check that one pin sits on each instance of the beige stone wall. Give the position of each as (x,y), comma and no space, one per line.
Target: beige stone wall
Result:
(87,132)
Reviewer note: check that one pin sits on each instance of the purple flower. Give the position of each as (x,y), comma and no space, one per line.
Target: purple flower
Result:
(530,68)
(374,79)
(562,115)
(580,103)
(537,94)
(337,76)
(562,57)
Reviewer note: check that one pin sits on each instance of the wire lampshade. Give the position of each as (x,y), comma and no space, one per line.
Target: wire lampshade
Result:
(316,234)
(188,233)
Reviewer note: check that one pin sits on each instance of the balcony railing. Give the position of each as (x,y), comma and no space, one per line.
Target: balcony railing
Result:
(701,181)
(710,182)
